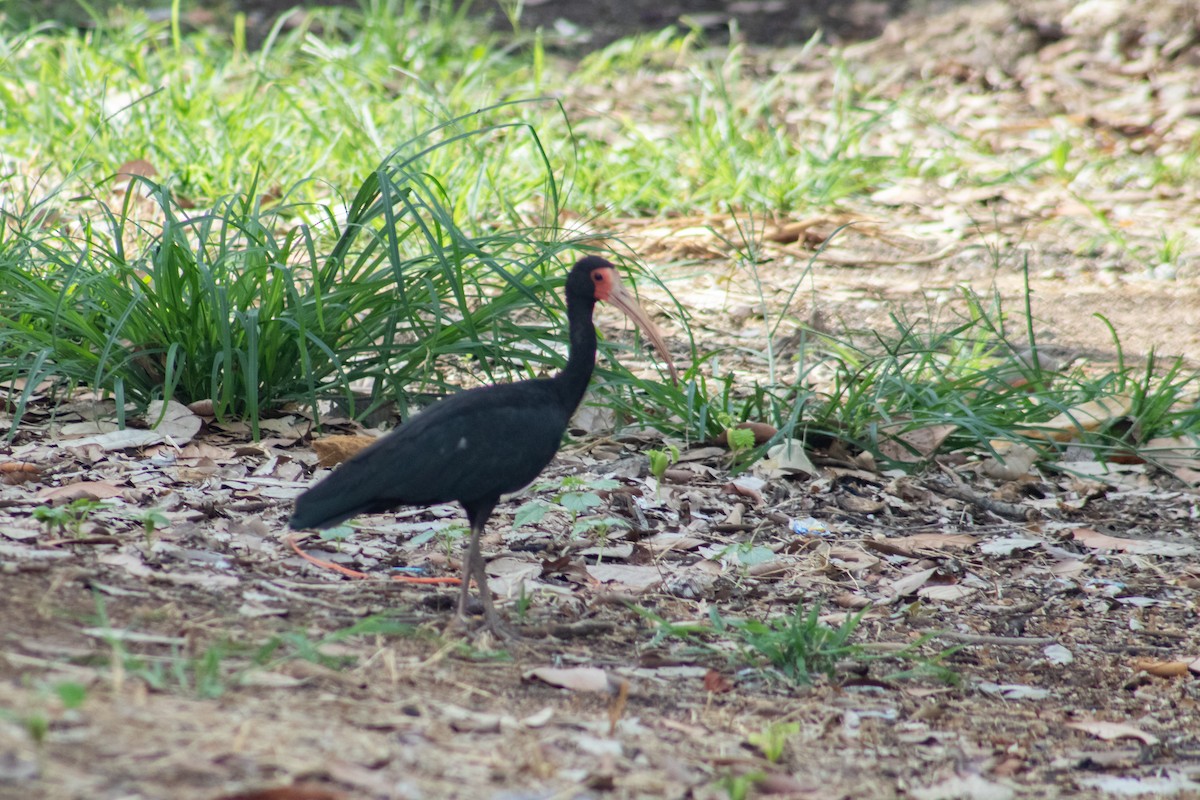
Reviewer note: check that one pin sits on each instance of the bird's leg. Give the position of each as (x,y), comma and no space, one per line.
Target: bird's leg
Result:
(491,620)
(468,568)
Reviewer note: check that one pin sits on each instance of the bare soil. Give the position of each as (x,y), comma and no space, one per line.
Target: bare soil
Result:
(1072,601)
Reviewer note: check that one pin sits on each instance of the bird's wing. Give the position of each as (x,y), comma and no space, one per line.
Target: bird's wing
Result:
(471,446)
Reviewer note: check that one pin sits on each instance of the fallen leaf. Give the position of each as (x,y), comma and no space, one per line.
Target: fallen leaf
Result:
(284,426)
(911,583)
(717,683)
(15,473)
(137,167)
(1110,731)
(1173,784)
(264,679)
(90,490)
(636,578)
(747,486)
(1014,691)
(964,787)
(577,679)
(915,445)
(1149,547)
(1007,546)
(288,793)
(1009,461)
(1057,654)
(511,574)
(945,594)
(1161,669)
(665,542)
(701,454)
(538,719)
(203,408)
(333,450)
(1172,453)
(171,422)
(1085,417)
(850,559)
(786,458)
(913,545)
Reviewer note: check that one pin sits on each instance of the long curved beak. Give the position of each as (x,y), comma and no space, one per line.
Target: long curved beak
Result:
(620,297)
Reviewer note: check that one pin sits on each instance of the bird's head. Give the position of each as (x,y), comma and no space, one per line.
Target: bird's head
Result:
(593,278)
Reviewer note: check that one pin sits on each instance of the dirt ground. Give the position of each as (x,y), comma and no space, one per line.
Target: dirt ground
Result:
(581,25)
(215,662)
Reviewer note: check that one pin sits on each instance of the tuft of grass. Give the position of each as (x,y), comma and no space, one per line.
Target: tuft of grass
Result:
(242,307)
(70,516)
(984,375)
(793,647)
(209,671)
(796,645)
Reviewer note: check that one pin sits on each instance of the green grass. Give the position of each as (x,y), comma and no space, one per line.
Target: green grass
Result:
(793,648)
(371,203)
(210,670)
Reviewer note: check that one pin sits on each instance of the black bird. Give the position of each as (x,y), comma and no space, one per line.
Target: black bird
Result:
(477,445)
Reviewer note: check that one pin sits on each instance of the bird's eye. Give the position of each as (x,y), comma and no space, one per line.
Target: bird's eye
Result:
(597,277)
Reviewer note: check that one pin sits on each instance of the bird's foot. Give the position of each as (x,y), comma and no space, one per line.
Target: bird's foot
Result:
(461,624)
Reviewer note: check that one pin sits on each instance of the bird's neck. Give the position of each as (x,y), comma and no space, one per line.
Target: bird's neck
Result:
(581,354)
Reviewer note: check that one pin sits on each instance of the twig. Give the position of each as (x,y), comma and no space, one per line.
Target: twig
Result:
(961,491)
(288,594)
(983,638)
(862,261)
(352,573)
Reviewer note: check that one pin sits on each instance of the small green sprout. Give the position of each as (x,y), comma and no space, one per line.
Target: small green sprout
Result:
(337,535)
(773,739)
(71,515)
(152,519)
(740,439)
(660,462)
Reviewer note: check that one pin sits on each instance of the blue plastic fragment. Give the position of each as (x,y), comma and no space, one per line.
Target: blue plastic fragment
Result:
(809,527)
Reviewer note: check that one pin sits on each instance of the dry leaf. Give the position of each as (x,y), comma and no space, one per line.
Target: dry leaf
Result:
(850,559)
(284,426)
(911,583)
(665,542)
(912,545)
(945,594)
(964,787)
(1110,731)
(717,683)
(1010,462)
(1161,669)
(15,473)
(333,450)
(915,445)
(577,679)
(203,408)
(90,490)
(747,486)
(636,578)
(786,458)
(173,423)
(1006,547)
(297,792)
(1173,453)
(137,167)
(1085,417)
(1149,547)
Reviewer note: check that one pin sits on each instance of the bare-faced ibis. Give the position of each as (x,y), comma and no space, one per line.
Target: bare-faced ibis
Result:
(477,445)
